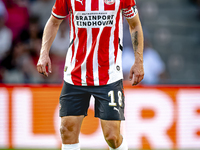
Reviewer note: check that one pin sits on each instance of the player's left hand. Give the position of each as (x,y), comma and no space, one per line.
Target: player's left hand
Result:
(136,73)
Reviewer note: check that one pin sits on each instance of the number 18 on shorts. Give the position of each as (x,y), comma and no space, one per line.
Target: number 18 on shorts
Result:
(109,100)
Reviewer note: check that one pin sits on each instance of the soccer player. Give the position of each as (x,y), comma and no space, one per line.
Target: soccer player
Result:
(93,64)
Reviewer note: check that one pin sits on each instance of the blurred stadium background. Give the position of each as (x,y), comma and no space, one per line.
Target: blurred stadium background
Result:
(163,112)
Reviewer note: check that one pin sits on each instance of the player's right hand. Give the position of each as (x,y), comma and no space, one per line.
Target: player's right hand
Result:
(43,62)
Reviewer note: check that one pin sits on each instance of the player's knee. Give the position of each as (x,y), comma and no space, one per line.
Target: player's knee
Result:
(66,133)
(67,126)
(66,129)
(111,138)
(63,130)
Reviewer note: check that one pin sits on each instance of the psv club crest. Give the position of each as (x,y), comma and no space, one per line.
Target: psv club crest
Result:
(109,2)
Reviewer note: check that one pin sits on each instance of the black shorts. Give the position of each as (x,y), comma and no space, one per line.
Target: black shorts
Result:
(109,100)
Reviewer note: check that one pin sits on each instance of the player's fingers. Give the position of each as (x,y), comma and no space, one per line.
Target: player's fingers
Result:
(135,80)
(49,67)
(39,69)
(140,78)
(131,75)
(43,70)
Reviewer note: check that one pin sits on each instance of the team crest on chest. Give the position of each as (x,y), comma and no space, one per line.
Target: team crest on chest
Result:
(109,2)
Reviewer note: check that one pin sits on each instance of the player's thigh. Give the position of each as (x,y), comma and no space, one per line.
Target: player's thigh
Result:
(74,100)
(109,101)
(111,128)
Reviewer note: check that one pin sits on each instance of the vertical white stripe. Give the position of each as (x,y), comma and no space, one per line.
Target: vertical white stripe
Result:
(119,56)
(83,71)
(112,65)
(95,60)
(67,74)
(88,5)
(73,3)
(76,42)
(95,57)
(83,66)
(88,48)
(119,60)
(111,54)
(101,5)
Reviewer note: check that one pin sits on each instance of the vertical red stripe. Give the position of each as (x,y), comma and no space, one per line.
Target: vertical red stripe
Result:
(103,56)
(80,5)
(109,7)
(95,5)
(89,64)
(80,56)
(74,35)
(116,35)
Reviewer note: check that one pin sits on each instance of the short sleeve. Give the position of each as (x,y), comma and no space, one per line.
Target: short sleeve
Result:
(129,9)
(60,9)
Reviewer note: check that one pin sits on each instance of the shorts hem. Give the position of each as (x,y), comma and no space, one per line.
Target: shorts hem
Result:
(72,115)
(102,118)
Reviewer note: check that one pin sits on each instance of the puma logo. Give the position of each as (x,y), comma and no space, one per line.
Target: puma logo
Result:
(116,109)
(81,1)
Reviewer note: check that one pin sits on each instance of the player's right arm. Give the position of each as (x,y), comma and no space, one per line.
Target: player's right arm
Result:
(49,35)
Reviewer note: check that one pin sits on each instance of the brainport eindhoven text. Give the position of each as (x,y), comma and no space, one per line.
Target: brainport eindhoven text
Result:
(94,20)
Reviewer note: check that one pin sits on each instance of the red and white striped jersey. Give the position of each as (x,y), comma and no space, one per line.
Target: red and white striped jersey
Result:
(95,53)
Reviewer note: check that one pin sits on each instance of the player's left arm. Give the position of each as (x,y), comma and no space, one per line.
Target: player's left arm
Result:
(137,71)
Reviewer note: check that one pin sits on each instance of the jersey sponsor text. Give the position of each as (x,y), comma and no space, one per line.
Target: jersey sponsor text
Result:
(94,19)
